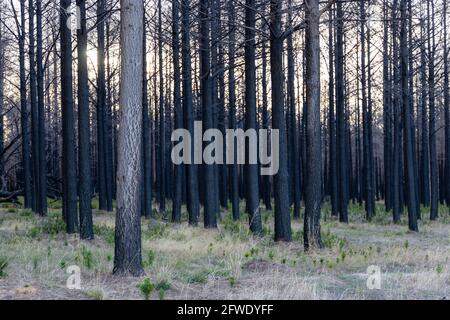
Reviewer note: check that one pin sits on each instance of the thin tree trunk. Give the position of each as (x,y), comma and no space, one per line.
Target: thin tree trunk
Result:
(69,166)
(146,147)
(41,195)
(188,114)
(210,217)
(411,194)
(178,169)
(26,164)
(84,156)
(341,121)
(234,179)
(432,123)
(251,170)
(313,194)
(281,179)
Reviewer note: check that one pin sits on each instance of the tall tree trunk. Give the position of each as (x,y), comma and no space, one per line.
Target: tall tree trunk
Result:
(207,112)
(251,170)
(387,114)
(281,179)
(41,195)
(100,108)
(146,147)
(446,185)
(162,118)
(424,153)
(367,124)
(234,181)
(193,206)
(432,123)
(331,121)
(397,150)
(313,194)
(178,169)
(292,132)
(127,253)
(340,115)
(33,107)
(84,155)
(411,193)
(69,166)
(24,115)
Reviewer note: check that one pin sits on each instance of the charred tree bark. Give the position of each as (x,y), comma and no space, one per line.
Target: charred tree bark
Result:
(281,179)
(69,166)
(84,154)
(178,169)
(411,194)
(251,170)
(313,193)
(193,206)
(234,179)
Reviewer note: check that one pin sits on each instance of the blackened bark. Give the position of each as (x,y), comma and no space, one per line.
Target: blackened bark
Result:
(178,169)
(333,183)
(41,196)
(193,206)
(446,185)
(210,218)
(432,116)
(84,155)
(340,115)
(69,155)
(146,143)
(313,194)
(24,114)
(281,179)
(292,125)
(251,170)
(234,181)
(162,118)
(411,193)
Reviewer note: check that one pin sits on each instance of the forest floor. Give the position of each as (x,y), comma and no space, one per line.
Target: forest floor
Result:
(183,262)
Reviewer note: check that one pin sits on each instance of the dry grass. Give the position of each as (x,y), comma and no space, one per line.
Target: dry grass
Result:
(193,263)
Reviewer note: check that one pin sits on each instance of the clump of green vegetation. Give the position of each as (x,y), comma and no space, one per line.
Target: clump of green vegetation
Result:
(35,262)
(54,224)
(84,255)
(62,264)
(155,230)
(439,268)
(330,240)
(55,204)
(162,286)
(95,204)
(35,232)
(198,277)
(232,281)
(150,258)
(406,244)
(3,266)
(96,294)
(11,210)
(297,235)
(252,253)
(105,232)
(26,213)
(146,287)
